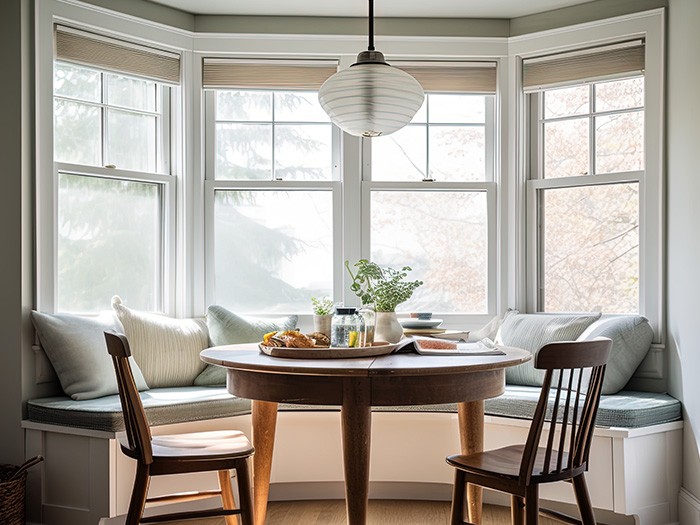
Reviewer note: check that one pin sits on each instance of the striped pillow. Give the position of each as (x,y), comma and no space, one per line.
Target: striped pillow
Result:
(531,332)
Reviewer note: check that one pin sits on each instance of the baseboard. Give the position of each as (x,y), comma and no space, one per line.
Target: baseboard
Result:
(688,508)
(377,490)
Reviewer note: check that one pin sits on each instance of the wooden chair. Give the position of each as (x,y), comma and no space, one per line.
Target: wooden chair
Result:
(569,400)
(177,454)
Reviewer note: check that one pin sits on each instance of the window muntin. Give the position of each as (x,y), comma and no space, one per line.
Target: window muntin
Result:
(112,233)
(273,249)
(106,119)
(103,249)
(268,135)
(587,196)
(443,236)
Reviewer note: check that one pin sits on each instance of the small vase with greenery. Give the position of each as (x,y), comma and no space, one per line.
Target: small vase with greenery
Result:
(385,288)
(323,311)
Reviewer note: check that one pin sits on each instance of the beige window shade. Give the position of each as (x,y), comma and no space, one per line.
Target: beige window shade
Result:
(584,66)
(452,77)
(266,74)
(88,49)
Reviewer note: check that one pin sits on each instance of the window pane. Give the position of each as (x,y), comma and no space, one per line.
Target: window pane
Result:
(131,140)
(566,102)
(131,93)
(400,156)
(108,243)
(77,82)
(457,153)
(620,142)
(566,148)
(443,237)
(244,105)
(243,151)
(620,94)
(303,151)
(273,249)
(299,107)
(421,116)
(457,109)
(591,249)
(77,133)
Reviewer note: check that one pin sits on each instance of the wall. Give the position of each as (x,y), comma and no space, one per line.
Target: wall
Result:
(15,263)
(683,255)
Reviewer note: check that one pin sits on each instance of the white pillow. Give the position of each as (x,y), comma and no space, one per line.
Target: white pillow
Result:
(166,349)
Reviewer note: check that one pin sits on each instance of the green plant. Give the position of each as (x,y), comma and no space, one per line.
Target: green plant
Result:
(322,306)
(383,287)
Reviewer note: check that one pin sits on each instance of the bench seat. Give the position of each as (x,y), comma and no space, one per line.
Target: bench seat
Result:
(164,406)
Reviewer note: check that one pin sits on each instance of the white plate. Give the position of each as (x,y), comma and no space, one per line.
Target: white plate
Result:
(412,322)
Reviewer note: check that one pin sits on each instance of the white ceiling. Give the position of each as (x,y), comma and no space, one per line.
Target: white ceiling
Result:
(358,8)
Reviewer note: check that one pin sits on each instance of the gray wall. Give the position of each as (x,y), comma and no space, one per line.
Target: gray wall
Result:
(15,221)
(683,195)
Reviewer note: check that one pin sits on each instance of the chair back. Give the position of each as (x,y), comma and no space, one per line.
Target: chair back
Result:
(137,429)
(569,399)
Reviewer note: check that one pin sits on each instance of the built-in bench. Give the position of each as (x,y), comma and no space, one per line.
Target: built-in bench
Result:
(635,465)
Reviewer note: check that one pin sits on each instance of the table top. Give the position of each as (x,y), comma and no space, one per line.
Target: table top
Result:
(248,357)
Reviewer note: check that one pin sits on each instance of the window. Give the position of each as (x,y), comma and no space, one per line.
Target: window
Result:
(431,194)
(273,191)
(587,169)
(112,179)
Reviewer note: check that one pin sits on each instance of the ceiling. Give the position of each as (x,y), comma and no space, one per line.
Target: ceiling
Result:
(383,8)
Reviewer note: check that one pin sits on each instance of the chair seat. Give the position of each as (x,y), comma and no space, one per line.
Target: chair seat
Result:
(216,444)
(505,462)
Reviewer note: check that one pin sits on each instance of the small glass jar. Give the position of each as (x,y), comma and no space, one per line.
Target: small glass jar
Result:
(346,328)
(369,316)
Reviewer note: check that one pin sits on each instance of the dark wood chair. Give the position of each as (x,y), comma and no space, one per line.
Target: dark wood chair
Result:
(569,401)
(178,454)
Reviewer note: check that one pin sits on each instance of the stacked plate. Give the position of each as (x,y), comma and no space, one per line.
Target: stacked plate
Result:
(415,326)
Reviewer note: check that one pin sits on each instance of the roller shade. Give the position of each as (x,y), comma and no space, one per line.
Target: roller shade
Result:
(452,77)
(266,74)
(609,62)
(88,49)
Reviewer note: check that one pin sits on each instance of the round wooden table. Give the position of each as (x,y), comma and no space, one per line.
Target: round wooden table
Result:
(357,385)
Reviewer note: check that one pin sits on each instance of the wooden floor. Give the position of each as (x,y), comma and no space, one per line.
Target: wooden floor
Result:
(381,512)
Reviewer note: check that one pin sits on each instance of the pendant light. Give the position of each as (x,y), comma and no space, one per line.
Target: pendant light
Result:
(371,98)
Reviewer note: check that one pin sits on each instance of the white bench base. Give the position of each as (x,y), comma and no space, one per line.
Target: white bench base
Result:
(633,472)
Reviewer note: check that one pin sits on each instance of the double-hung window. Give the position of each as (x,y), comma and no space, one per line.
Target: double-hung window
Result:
(587,169)
(112,172)
(429,191)
(272,185)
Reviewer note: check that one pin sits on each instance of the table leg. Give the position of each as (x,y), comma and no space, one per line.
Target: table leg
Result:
(356,420)
(264,425)
(471,438)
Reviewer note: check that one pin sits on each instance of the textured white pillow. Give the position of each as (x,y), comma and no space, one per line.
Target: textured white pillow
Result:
(166,349)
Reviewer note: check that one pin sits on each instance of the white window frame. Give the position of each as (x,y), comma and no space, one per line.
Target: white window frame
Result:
(124,28)
(648,25)
(488,186)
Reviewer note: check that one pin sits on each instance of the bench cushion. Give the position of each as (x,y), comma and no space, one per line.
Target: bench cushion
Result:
(163,406)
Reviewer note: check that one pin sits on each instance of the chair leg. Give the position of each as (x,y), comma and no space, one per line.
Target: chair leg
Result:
(138,494)
(228,502)
(459,498)
(517,510)
(532,505)
(583,500)
(244,492)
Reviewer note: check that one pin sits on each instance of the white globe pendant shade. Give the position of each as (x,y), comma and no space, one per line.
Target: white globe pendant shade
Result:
(370,99)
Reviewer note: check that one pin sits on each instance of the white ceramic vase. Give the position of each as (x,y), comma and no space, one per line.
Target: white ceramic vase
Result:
(388,328)
(322,323)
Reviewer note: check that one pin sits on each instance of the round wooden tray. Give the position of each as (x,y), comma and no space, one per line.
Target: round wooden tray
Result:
(377,349)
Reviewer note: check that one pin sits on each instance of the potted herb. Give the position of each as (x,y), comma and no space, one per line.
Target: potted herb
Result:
(323,312)
(385,288)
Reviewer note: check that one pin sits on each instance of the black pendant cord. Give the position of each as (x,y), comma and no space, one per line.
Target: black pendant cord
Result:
(371,26)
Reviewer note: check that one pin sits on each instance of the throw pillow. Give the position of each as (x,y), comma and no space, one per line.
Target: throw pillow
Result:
(227,328)
(631,336)
(532,332)
(166,349)
(76,347)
